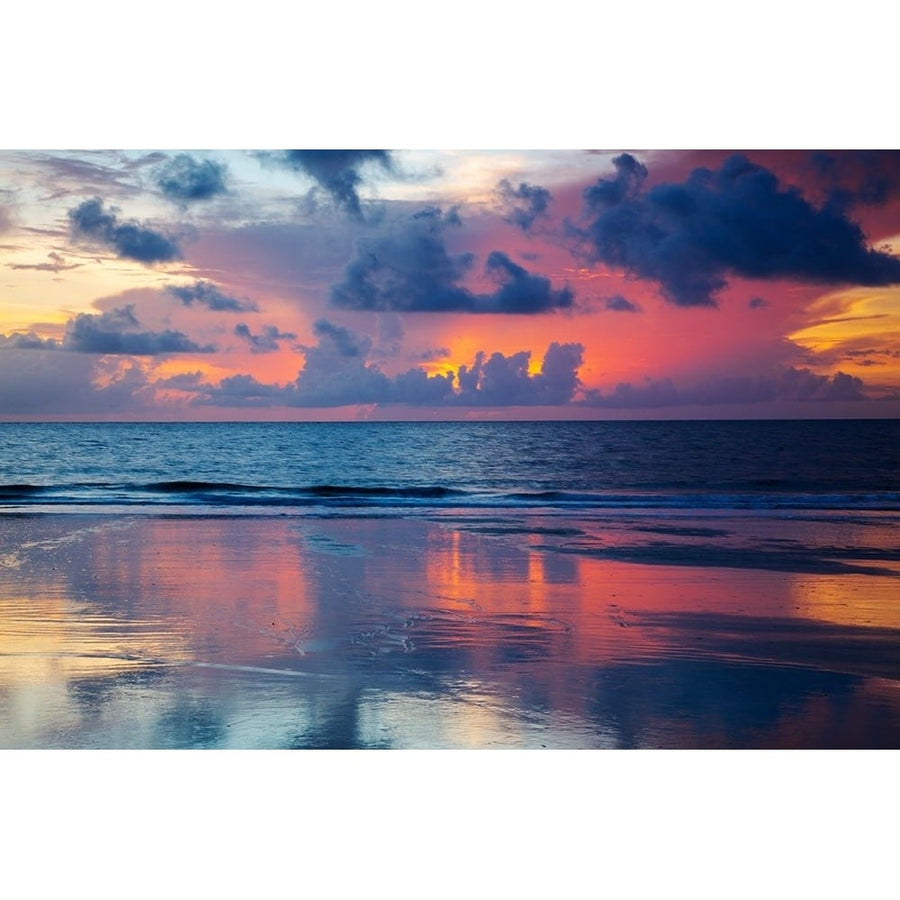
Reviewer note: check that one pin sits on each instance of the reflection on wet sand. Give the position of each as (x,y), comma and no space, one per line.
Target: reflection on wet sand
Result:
(455,632)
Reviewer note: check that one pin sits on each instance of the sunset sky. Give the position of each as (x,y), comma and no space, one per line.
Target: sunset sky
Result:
(418,284)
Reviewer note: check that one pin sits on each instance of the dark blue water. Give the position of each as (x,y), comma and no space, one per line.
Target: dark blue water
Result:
(316,467)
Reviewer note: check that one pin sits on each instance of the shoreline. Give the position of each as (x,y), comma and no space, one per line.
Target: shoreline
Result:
(160,630)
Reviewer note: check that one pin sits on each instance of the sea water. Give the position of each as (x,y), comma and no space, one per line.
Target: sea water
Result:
(526,584)
(725,464)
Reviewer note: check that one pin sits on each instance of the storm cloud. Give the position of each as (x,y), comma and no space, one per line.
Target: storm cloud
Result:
(184,179)
(737,221)
(130,240)
(337,172)
(409,269)
(524,203)
(208,294)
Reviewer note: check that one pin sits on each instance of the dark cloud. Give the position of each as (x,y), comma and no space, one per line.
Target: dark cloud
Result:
(691,236)
(336,171)
(338,372)
(117,331)
(29,341)
(519,291)
(524,204)
(207,294)
(851,177)
(626,186)
(130,240)
(416,387)
(618,303)
(57,264)
(184,179)
(338,339)
(266,341)
(758,303)
(409,269)
(789,384)
(406,269)
(504,380)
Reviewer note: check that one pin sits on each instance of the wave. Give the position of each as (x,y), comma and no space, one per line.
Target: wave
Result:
(324,491)
(19,491)
(218,494)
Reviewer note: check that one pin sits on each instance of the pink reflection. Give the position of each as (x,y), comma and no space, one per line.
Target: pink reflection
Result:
(435,633)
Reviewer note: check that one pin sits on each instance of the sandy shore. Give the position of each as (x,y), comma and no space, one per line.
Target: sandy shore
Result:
(451,631)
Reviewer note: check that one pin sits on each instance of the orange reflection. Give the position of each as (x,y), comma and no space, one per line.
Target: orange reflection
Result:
(71,642)
(498,612)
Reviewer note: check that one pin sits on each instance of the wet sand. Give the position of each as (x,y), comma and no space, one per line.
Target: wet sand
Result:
(521,630)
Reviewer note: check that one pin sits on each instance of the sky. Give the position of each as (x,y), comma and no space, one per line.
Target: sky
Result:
(424,284)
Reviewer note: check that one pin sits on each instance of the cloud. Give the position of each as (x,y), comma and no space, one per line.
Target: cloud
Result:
(338,372)
(6,219)
(208,294)
(89,221)
(757,303)
(100,171)
(267,341)
(184,180)
(29,341)
(336,171)
(40,382)
(789,384)
(505,381)
(184,381)
(618,303)
(869,356)
(868,177)
(409,269)
(390,333)
(690,237)
(242,390)
(519,291)
(431,354)
(116,331)
(57,264)
(535,201)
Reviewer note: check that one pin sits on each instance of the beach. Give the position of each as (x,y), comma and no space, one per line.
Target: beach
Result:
(450,628)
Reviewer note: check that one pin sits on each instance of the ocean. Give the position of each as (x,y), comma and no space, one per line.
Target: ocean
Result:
(445,585)
(315,468)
